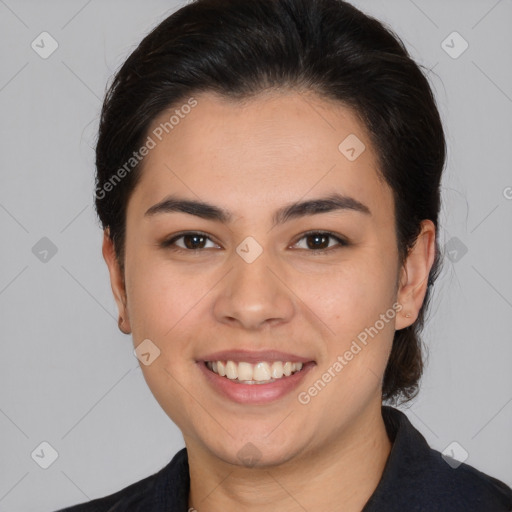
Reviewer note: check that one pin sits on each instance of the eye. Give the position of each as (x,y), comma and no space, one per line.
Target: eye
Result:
(315,241)
(191,241)
(318,241)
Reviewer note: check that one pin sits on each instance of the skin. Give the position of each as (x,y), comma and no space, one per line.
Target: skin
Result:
(252,158)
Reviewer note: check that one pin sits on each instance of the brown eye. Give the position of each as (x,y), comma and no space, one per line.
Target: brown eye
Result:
(318,241)
(191,241)
(194,241)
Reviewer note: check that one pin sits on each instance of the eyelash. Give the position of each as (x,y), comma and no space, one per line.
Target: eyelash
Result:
(169,244)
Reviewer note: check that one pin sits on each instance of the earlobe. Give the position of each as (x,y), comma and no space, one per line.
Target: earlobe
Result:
(116,281)
(415,274)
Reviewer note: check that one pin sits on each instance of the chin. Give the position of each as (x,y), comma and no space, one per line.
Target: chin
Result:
(254,451)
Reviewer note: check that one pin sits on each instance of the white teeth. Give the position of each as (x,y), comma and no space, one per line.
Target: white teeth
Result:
(261,372)
(277,370)
(231,370)
(245,371)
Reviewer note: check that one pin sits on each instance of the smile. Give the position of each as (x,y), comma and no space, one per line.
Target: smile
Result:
(255,383)
(260,373)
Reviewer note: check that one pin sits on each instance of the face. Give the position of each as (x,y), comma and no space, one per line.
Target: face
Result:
(251,276)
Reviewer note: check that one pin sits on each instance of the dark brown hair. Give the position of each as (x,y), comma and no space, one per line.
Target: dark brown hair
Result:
(239,48)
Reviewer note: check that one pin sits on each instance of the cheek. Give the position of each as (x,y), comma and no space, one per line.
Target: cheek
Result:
(358,346)
(350,296)
(164,308)
(350,301)
(162,298)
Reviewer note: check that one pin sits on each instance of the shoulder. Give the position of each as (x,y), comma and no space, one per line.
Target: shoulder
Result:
(148,494)
(463,487)
(418,478)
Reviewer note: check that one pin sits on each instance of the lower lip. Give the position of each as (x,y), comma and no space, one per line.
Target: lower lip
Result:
(254,393)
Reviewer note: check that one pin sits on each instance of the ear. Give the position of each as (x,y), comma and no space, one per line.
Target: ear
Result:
(116,281)
(414,275)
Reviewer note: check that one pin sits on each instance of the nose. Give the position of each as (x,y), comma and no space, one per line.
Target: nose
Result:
(254,295)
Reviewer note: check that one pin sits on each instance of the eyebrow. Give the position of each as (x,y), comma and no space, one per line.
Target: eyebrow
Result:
(333,202)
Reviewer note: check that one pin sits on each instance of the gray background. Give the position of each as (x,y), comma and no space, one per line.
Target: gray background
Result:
(69,377)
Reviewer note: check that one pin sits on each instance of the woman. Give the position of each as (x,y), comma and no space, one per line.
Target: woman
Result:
(268,180)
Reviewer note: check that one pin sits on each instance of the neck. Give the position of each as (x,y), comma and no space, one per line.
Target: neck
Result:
(345,469)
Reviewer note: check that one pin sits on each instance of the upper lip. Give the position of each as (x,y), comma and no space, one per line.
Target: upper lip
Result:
(250,356)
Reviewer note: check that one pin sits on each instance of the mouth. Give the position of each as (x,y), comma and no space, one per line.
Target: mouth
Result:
(254,377)
(263,372)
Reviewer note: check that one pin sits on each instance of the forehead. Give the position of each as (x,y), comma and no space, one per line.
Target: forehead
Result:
(272,148)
